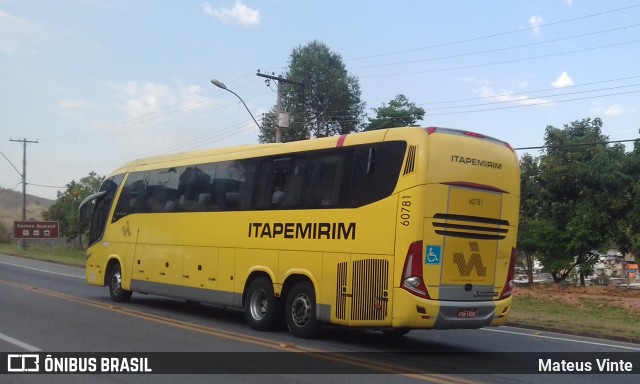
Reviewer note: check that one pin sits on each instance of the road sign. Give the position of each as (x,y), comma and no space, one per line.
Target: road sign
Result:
(35,229)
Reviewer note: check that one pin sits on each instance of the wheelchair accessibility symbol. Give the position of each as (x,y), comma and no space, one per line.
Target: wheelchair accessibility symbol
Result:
(432,254)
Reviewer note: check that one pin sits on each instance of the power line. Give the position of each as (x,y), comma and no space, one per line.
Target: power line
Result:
(14,167)
(282,117)
(46,186)
(534,104)
(528,92)
(577,144)
(499,49)
(154,117)
(503,61)
(205,139)
(307,115)
(10,189)
(527,99)
(497,34)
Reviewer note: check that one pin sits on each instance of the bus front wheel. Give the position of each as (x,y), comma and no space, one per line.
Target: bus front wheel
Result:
(115,285)
(300,310)
(261,308)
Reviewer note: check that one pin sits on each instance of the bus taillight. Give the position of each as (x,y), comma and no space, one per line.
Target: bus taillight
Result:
(412,277)
(509,283)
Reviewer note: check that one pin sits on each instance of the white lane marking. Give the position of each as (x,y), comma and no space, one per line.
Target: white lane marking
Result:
(19,343)
(43,270)
(563,339)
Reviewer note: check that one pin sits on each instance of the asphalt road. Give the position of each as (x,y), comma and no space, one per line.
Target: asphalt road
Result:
(48,308)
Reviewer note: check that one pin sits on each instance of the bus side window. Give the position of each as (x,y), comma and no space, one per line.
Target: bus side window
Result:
(263,194)
(279,183)
(375,173)
(324,179)
(131,196)
(194,181)
(292,189)
(165,184)
(279,176)
(234,184)
(246,182)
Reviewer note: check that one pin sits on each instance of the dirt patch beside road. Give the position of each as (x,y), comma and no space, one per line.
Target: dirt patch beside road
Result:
(625,298)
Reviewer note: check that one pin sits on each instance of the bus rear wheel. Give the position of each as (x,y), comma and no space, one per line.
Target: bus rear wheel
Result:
(300,311)
(115,285)
(262,309)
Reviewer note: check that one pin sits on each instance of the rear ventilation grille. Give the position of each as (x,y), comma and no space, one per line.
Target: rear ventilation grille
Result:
(341,298)
(369,296)
(370,289)
(410,165)
(470,227)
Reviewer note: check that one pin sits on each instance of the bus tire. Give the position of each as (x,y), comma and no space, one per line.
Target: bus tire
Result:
(262,308)
(115,285)
(300,311)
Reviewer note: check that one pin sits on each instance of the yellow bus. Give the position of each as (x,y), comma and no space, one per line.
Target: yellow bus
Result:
(392,230)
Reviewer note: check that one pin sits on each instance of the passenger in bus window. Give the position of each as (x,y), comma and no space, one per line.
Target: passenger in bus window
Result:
(276,199)
(170,206)
(326,199)
(204,202)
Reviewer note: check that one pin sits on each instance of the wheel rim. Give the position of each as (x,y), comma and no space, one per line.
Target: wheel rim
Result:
(301,310)
(258,305)
(116,283)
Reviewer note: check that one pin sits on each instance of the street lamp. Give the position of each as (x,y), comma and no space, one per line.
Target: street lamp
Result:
(220,84)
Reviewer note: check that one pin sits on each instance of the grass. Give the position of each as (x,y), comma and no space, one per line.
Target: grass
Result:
(582,315)
(63,254)
(588,316)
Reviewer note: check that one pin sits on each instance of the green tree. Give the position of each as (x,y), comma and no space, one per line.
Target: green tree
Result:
(584,193)
(400,112)
(5,235)
(543,239)
(65,209)
(530,194)
(328,104)
(629,229)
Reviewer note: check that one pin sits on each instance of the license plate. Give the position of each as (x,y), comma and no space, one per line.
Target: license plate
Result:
(466,313)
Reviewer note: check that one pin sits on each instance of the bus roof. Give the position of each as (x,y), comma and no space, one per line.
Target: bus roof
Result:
(255,150)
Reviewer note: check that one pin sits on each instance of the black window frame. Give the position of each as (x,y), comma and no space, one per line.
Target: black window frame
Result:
(342,177)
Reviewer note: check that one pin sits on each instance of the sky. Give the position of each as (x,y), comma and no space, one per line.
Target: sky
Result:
(100,83)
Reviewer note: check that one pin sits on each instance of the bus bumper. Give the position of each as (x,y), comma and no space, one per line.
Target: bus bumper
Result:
(414,312)
(94,272)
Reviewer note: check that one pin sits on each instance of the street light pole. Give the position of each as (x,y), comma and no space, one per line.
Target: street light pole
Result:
(221,85)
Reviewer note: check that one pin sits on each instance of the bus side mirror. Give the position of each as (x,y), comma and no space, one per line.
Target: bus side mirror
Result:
(85,210)
(84,214)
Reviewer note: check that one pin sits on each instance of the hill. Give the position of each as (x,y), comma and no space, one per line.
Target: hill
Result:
(11,207)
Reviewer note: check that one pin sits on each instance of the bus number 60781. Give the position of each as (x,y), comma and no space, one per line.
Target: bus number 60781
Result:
(405,211)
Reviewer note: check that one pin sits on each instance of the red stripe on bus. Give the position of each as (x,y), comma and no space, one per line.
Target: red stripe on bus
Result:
(341,140)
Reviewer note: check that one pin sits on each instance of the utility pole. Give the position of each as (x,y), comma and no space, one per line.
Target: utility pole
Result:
(282,120)
(24,178)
